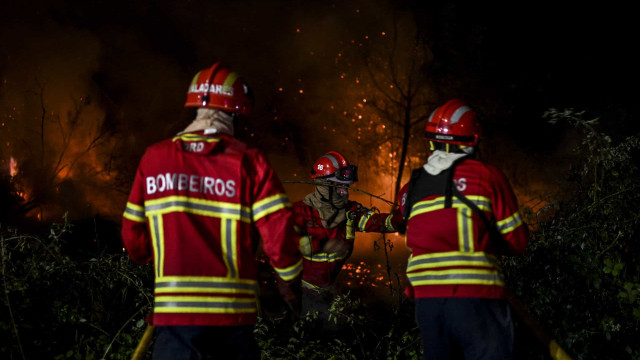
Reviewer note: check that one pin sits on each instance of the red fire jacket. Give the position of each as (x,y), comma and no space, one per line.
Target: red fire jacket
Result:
(194,208)
(320,268)
(452,254)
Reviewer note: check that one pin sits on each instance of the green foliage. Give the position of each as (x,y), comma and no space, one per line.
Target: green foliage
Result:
(352,331)
(580,279)
(580,276)
(57,307)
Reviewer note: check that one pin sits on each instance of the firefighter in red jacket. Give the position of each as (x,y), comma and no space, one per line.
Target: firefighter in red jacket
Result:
(327,222)
(461,215)
(198,205)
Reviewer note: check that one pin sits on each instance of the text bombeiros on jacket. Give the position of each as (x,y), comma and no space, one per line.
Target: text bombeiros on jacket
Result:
(190,182)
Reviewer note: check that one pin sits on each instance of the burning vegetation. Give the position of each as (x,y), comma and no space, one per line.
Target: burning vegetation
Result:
(74,126)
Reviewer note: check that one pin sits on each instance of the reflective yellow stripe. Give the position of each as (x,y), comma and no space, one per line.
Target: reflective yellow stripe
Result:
(203,304)
(388,225)
(452,258)
(135,207)
(362,224)
(229,246)
(269,205)
(456,277)
(134,212)
(465,230)
(133,218)
(202,207)
(324,257)
(195,79)
(227,85)
(350,233)
(437,203)
(157,239)
(188,137)
(310,285)
(205,284)
(291,272)
(509,224)
(556,352)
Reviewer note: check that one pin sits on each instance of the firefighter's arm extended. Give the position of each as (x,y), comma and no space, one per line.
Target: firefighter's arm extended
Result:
(509,221)
(135,232)
(370,220)
(273,217)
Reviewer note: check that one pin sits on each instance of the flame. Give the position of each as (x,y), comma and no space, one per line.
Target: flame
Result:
(13,167)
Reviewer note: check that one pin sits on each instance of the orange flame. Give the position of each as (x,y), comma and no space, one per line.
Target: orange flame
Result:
(13,167)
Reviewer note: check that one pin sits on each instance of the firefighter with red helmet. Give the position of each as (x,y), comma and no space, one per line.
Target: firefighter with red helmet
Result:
(461,216)
(327,221)
(198,205)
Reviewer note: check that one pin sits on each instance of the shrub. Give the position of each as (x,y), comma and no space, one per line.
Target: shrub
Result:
(57,307)
(580,274)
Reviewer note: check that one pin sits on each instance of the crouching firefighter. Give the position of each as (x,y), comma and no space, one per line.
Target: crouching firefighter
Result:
(200,201)
(461,215)
(327,221)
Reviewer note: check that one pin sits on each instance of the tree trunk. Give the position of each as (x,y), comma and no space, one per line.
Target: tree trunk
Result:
(405,146)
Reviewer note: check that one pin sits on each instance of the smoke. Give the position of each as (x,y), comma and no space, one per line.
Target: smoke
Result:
(54,124)
(119,71)
(85,88)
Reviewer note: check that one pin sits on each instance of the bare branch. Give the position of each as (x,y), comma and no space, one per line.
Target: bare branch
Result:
(340,186)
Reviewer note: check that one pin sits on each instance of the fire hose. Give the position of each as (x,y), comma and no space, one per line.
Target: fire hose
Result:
(143,346)
(556,352)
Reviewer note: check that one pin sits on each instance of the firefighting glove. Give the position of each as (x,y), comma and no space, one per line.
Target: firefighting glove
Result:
(305,245)
(356,210)
(291,293)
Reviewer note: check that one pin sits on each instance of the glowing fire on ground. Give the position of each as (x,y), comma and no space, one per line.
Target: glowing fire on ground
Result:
(362,274)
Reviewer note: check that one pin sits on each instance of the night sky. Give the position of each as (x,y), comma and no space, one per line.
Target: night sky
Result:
(106,79)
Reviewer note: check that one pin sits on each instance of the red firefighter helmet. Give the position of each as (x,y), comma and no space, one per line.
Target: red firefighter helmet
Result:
(218,87)
(454,122)
(333,166)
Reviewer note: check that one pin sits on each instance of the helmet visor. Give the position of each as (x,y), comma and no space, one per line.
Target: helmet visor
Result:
(347,173)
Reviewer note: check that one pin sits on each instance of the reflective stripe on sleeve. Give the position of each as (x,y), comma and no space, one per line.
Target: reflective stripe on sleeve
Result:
(388,225)
(134,212)
(291,272)
(269,205)
(362,224)
(509,224)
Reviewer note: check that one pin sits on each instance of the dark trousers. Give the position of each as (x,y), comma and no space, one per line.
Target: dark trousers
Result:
(465,328)
(205,342)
